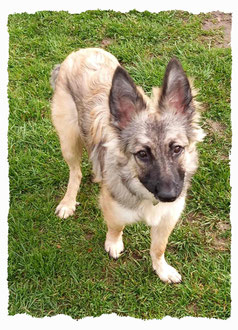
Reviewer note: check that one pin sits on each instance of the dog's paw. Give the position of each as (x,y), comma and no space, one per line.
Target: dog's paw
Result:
(64,210)
(168,274)
(114,249)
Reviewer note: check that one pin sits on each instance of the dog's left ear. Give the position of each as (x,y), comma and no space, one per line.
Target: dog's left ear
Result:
(176,91)
(124,99)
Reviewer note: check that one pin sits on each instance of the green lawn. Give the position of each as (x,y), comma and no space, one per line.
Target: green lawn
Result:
(59,266)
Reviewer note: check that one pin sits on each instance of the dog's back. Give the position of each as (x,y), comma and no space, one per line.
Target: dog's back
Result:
(84,81)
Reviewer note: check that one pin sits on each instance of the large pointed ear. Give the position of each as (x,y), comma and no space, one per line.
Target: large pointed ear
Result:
(124,99)
(176,91)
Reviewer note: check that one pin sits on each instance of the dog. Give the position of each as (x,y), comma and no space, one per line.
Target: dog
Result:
(142,149)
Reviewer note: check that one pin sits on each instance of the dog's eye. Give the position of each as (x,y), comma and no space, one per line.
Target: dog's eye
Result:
(142,154)
(177,149)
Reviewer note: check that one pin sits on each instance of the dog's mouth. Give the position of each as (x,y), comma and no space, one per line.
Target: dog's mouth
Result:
(167,196)
(166,199)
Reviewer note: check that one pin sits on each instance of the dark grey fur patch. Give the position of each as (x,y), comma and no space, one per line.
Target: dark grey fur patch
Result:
(54,75)
(126,182)
(131,203)
(101,155)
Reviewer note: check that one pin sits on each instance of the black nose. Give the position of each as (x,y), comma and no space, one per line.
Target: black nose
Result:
(166,193)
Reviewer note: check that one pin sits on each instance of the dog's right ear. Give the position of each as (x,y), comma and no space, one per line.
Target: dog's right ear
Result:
(124,99)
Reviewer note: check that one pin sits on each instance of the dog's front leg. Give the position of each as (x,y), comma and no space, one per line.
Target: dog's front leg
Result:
(114,243)
(159,239)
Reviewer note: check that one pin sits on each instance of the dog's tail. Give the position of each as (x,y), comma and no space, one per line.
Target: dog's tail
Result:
(54,75)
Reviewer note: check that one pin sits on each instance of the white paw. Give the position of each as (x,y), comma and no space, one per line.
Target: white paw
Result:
(168,273)
(64,210)
(114,248)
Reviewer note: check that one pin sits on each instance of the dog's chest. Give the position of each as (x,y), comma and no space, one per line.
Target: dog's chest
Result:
(153,214)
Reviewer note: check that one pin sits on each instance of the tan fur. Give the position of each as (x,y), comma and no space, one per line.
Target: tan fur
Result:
(81,116)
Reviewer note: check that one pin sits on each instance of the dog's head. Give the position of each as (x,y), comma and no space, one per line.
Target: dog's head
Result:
(157,135)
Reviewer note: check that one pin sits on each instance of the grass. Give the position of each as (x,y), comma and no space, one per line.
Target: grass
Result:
(59,266)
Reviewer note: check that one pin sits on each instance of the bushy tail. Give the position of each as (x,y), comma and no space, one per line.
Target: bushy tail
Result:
(54,75)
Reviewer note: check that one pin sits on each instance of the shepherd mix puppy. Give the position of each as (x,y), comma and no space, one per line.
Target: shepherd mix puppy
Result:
(143,150)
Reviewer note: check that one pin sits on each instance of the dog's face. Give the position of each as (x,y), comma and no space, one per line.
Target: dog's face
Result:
(156,135)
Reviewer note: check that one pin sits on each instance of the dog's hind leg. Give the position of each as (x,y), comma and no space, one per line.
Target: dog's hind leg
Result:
(65,119)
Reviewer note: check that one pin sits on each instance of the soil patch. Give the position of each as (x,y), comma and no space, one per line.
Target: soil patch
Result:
(216,127)
(219,20)
(106,42)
